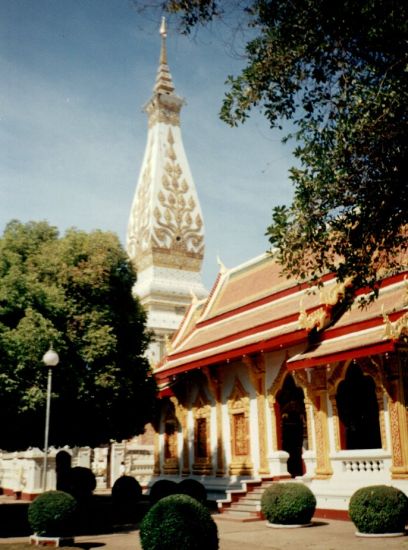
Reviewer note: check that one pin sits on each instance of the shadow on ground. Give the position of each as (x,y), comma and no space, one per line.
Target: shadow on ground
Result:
(96,515)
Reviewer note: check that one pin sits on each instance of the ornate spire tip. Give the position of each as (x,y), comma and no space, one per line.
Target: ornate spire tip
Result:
(163,28)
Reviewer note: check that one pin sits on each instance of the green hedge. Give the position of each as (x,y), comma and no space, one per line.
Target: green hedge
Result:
(288,503)
(192,488)
(126,493)
(379,509)
(162,488)
(52,514)
(178,522)
(126,489)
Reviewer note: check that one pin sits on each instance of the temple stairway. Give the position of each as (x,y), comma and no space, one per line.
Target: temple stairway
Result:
(245,504)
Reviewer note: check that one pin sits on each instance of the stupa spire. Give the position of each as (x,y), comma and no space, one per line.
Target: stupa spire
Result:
(164,83)
(163,34)
(165,239)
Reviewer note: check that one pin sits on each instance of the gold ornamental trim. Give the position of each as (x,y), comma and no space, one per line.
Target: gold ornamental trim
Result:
(318,319)
(397,329)
(331,295)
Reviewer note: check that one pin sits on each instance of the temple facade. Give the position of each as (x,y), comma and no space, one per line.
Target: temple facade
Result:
(165,237)
(268,378)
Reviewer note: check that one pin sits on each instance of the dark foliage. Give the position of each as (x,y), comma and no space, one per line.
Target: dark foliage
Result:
(126,493)
(82,483)
(178,521)
(126,489)
(74,291)
(192,488)
(162,488)
(337,72)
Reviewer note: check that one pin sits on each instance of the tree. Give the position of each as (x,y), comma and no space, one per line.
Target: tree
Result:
(338,72)
(73,291)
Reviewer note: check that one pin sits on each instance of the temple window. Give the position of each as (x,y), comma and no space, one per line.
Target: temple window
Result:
(358,411)
(292,429)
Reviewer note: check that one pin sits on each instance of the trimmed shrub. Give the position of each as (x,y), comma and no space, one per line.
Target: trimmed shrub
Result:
(379,509)
(82,482)
(126,488)
(178,521)
(288,503)
(126,493)
(162,488)
(192,488)
(52,514)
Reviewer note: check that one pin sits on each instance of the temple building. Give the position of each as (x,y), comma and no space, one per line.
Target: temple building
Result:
(165,237)
(266,378)
(269,378)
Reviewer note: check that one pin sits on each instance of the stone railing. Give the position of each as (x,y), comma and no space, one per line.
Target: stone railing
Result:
(365,464)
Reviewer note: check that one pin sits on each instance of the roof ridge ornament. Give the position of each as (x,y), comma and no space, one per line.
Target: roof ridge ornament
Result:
(223,269)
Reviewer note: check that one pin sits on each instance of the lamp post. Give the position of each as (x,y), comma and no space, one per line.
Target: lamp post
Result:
(50,359)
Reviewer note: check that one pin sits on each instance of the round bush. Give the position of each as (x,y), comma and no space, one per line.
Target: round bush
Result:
(162,488)
(193,488)
(379,509)
(82,482)
(126,493)
(178,521)
(52,514)
(288,503)
(126,488)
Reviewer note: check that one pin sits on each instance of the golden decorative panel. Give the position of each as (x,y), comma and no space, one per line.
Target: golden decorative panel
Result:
(214,379)
(202,435)
(238,409)
(273,390)
(399,416)
(139,227)
(177,228)
(323,465)
(256,371)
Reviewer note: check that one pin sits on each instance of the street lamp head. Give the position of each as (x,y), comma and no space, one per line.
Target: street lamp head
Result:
(50,358)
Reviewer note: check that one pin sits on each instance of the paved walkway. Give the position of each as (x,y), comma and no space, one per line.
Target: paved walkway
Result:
(322,535)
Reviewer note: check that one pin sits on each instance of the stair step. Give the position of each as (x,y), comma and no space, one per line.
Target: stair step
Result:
(239,512)
(238,507)
(248,504)
(249,501)
(253,496)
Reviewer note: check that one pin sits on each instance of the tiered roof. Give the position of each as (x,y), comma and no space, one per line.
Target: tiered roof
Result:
(254,308)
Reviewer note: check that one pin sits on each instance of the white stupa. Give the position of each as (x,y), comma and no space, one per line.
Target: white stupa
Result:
(165,238)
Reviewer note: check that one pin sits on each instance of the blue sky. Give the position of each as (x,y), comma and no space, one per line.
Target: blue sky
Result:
(75,76)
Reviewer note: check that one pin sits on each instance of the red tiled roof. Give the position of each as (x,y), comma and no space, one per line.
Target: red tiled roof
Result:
(360,331)
(252,308)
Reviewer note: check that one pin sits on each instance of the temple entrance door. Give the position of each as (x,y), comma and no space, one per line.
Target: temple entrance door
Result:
(292,424)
